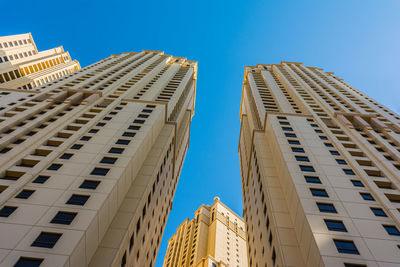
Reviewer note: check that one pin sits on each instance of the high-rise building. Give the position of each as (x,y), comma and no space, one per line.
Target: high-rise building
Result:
(22,66)
(215,237)
(90,162)
(320,170)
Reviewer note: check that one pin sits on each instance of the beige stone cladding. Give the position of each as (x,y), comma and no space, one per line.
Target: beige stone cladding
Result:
(90,162)
(23,66)
(215,237)
(320,170)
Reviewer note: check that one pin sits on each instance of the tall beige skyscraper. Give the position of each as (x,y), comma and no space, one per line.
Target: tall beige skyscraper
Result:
(90,162)
(320,166)
(22,66)
(215,237)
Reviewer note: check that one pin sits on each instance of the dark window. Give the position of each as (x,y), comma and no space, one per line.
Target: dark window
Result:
(318,192)
(357,183)
(7,211)
(46,240)
(147,110)
(326,207)
(100,171)
(290,135)
(116,150)
(63,217)
(323,137)
(349,172)
(341,161)
(122,142)
(318,131)
(66,156)
(367,196)
(294,142)
(138,121)
(314,125)
(284,123)
(113,113)
(76,146)
(85,138)
(307,168)
(77,200)
(108,160)
(134,127)
(354,265)
(101,124)
(334,152)
(298,149)
(28,262)
(54,167)
(392,230)
(287,128)
(334,225)
(93,131)
(107,118)
(312,179)
(346,246)
(89,184)
(143,116)
(302,158)
(129,134)
(41,179)
(25,194)
(378,212)
(328,144)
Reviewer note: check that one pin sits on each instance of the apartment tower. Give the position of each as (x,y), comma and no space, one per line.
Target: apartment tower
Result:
(215,237)
(90,162)
(320,170)
(22,66)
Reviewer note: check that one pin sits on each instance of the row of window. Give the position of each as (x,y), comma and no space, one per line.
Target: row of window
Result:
(15,43)
(17,56)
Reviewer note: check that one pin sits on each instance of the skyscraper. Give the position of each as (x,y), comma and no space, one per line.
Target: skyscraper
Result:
(215,237)
(22,66)
(320,170)
(90,162)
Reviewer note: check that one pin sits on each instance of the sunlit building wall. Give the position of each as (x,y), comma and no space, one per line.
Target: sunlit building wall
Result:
(89,163)
(320,170)
(22,66)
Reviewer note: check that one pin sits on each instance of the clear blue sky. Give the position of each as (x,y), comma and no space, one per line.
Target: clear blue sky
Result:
(358,40)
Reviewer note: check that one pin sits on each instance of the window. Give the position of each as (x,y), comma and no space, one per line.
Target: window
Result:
(323,137)
(346,246)
(298,149)
(334,225)
(79,200)
(101,124)
(85,138)
(334,152)
(378,212)
(46,240)
(122,142)
(354,265)
(302,158)
(89,184)
(341,161)
(349,172)
(357,183)
(7,211)
(76,146)
(294,142)
(66,156)
(63,217)
(134,127)
(307,168)
(25,194)
(290,135)
(108,160)
(41,179)
(93,131)
(143,116)
(287,128)
(100,171)
(284,123)
(129,134)
(367,196)
(116,150)
(326,207)
(318,131)
(28,262)
(314,125)
(318,192)
(138,121)
(54,167)
(391,230)
(107,118)
(312,179)
(328,144)
(147,110)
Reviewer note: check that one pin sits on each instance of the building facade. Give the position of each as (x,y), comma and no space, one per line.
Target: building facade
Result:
(90,162)
(215,237)
(22,66)
(320,170)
